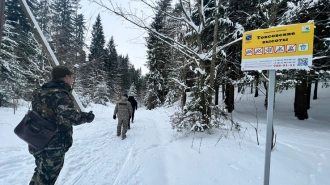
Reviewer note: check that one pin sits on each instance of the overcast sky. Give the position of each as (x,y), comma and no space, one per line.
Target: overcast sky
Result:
(128,38)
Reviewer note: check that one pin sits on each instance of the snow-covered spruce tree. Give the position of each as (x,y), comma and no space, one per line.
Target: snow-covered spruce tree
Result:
(79,43)
(175,68)
(44,16)
(158,55)
(80,54)
(79,35)
(20,54)
(201,112)
(304,11)
(98,40)
(63,31)
(111,67)
(7,56)
(123,66)
(96,81)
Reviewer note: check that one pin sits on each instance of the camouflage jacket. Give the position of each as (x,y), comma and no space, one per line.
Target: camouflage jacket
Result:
(123,109)
(54,103)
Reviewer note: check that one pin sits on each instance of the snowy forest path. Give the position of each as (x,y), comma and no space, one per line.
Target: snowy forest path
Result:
(102,156)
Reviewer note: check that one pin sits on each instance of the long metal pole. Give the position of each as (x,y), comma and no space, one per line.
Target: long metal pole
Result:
(270,113)
(2,18)
(45,44)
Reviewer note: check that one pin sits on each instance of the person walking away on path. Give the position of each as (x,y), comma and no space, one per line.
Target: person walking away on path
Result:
(53,102)
(134,106)
(124,111)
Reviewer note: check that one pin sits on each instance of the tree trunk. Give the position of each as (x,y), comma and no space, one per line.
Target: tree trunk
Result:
(239,88)
(251,88)
(308,95)
(230,90)
(216,101)
(273,137)
(295,101)
(315,90)
(149,102)
(223,91)
(256,85)
(266,96)
(300,100)
(184,98)
(231,98)
(1,97)
(214,58)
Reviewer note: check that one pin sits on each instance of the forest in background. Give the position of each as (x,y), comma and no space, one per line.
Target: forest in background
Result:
(101,74)
(193,52)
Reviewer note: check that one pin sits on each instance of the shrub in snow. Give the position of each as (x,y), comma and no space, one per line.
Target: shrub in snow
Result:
(189,120)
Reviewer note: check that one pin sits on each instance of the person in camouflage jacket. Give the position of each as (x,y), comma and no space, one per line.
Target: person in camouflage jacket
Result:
(54,102)
(124,111)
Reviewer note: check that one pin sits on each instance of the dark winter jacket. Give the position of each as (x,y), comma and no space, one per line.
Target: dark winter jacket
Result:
(54,103)
(133,102)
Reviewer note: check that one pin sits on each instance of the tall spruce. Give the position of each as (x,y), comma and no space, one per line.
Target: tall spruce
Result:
(79,42)
(79,32)
(158,56)
(123,66)
(98,40)
(111,67)
(20,56)
(96,81)
(63,31)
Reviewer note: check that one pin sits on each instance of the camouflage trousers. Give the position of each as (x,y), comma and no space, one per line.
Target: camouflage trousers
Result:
(122,123)
(49,165)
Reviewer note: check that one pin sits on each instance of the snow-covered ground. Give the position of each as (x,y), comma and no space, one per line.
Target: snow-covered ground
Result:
(153,154)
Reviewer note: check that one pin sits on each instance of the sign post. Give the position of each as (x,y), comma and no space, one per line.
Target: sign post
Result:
(270,113)
(285,47)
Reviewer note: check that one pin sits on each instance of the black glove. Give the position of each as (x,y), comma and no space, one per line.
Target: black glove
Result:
(136,108)
(114,116)
(89,117)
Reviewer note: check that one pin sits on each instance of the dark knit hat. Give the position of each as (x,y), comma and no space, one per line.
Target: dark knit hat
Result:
(60,72)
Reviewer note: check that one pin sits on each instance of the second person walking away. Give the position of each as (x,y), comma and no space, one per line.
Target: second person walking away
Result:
(134,106)
(124,111)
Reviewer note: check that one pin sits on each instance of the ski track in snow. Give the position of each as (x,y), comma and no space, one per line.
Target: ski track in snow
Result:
(108,160)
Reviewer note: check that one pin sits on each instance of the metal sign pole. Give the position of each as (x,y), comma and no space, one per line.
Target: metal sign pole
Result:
(270,113)
(45,45)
